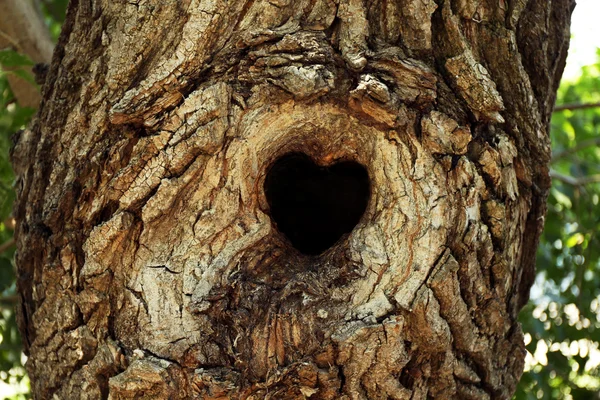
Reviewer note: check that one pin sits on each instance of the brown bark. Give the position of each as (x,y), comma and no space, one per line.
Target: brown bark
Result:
(149,264)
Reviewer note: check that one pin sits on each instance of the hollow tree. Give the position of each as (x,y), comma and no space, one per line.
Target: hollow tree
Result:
(324,199)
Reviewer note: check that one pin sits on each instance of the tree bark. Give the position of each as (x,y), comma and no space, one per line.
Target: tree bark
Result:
(150,265)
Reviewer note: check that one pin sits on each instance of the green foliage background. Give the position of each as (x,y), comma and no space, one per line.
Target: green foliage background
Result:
(561,322)
(12,118)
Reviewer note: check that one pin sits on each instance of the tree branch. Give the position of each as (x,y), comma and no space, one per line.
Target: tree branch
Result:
(575,106)
(9,300)
(575,149)
(7,245)
(569,180)
(8,39)
(23,29)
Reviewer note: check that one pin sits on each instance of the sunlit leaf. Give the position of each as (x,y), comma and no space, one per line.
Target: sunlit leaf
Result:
(574,240)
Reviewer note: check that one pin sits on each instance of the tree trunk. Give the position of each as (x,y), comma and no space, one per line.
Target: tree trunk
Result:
(170,247)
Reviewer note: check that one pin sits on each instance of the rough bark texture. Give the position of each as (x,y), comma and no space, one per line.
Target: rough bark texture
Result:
(149,266)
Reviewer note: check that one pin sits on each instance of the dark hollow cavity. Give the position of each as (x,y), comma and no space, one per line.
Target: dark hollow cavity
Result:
(315,206)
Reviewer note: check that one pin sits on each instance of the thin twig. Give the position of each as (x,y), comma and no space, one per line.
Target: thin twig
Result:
(10,39)
(580,146)
(569,180)
(575,106)
(10,299)
(7,245)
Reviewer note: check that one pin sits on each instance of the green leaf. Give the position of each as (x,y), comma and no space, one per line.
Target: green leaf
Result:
(574,240)
(561,198)
(25,75)
(10,58)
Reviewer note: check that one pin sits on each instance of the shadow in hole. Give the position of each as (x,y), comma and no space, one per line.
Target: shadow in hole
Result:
(315,206)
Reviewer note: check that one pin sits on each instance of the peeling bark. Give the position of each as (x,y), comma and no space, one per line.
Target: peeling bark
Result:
(150,265)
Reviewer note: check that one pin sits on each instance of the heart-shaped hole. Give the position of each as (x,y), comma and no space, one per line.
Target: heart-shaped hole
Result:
(315,206)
